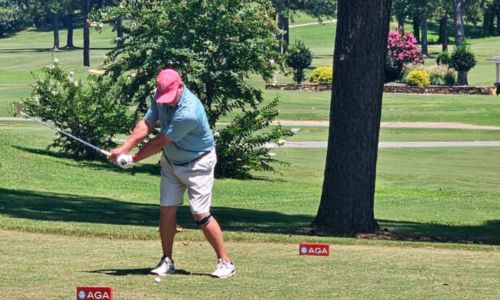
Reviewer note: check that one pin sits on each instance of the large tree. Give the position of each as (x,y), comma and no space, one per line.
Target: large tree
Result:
(347,200)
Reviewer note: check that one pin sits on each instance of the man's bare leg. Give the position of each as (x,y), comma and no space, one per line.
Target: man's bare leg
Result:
(167,228)
(214,236)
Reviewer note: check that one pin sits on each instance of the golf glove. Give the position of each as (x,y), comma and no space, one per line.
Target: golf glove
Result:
(125,161)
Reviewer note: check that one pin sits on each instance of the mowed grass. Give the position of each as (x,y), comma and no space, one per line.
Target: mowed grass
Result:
(472,109)
(264,270)
(312,133)
(92,224)
(26,53)
(430,192)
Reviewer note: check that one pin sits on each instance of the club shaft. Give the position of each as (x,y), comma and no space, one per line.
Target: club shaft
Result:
(68,134)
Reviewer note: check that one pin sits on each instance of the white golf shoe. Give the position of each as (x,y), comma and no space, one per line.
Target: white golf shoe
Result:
(165,266)
(225,269)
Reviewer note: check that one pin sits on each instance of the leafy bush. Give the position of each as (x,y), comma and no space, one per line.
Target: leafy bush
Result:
(91,112)
(322,75)
(242,150)
(439,74)
(443,58)
(418,77)
(393,69)
(401,50)
(299,57)
(462,58)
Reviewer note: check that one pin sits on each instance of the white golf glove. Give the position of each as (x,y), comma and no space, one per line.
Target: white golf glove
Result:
(125,161)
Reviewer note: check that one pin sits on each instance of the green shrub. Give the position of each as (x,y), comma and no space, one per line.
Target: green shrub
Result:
(242,143)
(443,58)
(91,111)
(299,57)
(393,69)
(439,74)
(322,75)
(462,58)
(418,77)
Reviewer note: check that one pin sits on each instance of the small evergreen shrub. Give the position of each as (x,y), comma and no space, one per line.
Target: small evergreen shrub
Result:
(418,77)
(443,58)
(462,58)
(322,75)
(299,57)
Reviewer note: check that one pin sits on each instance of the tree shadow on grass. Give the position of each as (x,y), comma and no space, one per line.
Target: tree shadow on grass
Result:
(57,207)
(46,206)
(486,233)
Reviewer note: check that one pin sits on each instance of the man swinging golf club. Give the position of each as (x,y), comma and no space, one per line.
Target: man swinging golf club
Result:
(187,162)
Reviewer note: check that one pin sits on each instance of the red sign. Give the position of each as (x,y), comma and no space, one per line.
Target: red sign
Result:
(314,249)
(94,293)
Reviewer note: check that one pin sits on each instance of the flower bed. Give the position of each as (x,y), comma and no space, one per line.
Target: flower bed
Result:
(395,88)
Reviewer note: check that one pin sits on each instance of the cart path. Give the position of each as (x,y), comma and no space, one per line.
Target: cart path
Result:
(429,125)
(386,145)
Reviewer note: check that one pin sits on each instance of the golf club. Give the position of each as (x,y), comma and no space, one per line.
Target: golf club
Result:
(19,110)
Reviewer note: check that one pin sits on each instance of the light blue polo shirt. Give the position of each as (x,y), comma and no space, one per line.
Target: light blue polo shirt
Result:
(186,124)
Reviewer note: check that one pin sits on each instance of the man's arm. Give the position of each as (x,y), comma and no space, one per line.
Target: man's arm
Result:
(152,147)
(140,132)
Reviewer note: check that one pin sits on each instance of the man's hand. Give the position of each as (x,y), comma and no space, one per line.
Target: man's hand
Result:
(125,161)
(115,153)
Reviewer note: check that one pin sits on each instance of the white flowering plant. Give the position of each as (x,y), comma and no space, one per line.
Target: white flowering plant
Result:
(87,109)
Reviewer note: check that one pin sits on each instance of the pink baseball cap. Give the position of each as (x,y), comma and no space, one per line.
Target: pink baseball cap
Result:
(167,83)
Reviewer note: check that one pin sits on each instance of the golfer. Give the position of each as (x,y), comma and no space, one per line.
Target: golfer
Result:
(187,162)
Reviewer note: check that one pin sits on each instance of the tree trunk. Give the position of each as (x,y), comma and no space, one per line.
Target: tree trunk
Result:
(498,19)
(416,27)
(462,78)
(423,42)
(489,21)
(55,30)
(86,34)
(347,199)
(458,17)
(443,32)
(69,36)
(119,31)
(283,24)
(401,24)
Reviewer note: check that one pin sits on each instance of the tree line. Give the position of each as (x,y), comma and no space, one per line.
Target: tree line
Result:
(445,12)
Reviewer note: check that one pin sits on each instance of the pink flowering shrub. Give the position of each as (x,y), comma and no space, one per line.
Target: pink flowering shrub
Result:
(404,48)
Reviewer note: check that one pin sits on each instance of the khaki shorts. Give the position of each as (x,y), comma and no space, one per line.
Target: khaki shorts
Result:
(197,177)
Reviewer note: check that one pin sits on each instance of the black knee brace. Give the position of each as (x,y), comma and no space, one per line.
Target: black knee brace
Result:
(205,220)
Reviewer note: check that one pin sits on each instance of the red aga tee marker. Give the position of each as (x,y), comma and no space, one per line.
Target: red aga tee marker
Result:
(314,249)
(94,293)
